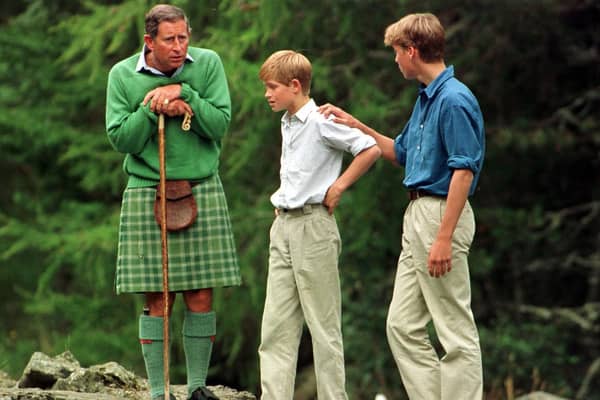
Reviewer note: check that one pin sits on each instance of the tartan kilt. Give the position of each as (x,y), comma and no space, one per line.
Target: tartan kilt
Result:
(202,256)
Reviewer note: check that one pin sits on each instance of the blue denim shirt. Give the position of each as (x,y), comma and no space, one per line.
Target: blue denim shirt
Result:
(445,132)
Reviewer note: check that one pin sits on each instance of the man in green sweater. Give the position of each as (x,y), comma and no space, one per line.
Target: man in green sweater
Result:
(170,78)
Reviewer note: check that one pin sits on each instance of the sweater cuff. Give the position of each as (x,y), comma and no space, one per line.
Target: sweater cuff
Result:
(146,109)
(186,92)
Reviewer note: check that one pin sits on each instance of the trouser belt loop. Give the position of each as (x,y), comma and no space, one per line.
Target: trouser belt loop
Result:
(307,209)
(304,210)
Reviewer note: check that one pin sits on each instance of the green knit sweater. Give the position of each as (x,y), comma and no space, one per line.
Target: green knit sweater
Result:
(132,128)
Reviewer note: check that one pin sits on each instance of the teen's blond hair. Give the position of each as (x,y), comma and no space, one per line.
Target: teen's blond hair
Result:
(285,65)
(421,31)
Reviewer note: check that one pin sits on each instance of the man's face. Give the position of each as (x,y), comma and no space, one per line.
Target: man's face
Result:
(169,47)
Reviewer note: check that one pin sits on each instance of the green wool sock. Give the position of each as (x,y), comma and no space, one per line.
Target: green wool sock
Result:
(151,339)
(199,330)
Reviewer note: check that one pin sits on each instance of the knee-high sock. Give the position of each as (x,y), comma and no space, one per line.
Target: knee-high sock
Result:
(199,330)
(151,339)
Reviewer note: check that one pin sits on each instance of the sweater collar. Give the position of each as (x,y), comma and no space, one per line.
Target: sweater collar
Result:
(142,66)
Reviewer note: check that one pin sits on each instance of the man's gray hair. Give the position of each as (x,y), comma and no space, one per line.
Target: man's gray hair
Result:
(163,12)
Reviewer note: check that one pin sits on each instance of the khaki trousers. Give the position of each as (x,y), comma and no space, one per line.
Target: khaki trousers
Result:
(419,298)
(302,285)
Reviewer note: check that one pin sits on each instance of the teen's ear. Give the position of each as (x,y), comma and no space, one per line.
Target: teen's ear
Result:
(296,85)
(412,51)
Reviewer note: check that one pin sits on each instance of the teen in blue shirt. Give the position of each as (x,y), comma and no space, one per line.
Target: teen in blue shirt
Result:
(442,149)
(445,133)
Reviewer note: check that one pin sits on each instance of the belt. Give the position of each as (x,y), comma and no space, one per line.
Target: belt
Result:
(305,209)
(192,183)
(417,194)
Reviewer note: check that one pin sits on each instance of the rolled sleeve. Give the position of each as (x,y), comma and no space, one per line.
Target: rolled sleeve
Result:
(461,138)
(461,162)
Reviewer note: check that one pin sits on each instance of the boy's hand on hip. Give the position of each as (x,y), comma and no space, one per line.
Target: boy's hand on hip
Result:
(332,198)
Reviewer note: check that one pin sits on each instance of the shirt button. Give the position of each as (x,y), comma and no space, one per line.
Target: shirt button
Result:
(421,126)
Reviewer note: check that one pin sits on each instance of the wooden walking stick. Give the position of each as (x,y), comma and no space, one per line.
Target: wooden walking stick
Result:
(163,242)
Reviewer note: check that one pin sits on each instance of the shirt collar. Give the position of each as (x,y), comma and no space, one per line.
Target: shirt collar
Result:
(302,114)
(142,66)
(437,83)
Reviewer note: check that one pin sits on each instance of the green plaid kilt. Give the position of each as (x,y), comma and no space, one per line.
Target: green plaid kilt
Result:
(202,256)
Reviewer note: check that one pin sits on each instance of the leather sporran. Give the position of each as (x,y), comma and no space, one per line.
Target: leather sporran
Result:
(181,205)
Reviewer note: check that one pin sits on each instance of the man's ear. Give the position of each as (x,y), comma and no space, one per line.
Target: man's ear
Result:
(149,41)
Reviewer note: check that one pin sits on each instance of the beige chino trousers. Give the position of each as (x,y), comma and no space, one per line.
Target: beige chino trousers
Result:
(302,285)
(419,298)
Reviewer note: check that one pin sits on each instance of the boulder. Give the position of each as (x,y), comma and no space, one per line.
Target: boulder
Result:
(6,381)
(538,396)
(100,378)
(43,371)
(63,378)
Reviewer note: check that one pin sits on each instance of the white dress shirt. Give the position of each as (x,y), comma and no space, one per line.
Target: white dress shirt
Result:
(311,155)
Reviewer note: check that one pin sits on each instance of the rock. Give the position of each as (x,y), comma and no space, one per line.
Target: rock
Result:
(43,371)
(39,394)
(98,377)
(225,393)
(62,378)
(534,396)
(180,391)
(6,380)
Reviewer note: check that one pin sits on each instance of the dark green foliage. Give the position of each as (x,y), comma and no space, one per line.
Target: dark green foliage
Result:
(509,348)
(534,264)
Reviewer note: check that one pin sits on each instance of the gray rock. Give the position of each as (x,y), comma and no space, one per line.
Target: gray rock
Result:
(62,378)
(39,394)
(99,377)
(180,391)
(536,396)
(43,371)
(6,380)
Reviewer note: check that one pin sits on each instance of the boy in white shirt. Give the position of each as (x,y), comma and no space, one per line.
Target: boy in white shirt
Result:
(303,282)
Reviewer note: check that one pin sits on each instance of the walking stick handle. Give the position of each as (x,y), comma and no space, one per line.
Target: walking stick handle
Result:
(165,256)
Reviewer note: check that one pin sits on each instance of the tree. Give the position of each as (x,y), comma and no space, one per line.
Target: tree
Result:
(533,66)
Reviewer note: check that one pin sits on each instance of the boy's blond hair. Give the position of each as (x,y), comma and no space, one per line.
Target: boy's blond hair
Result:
(285,65)
(421,31)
